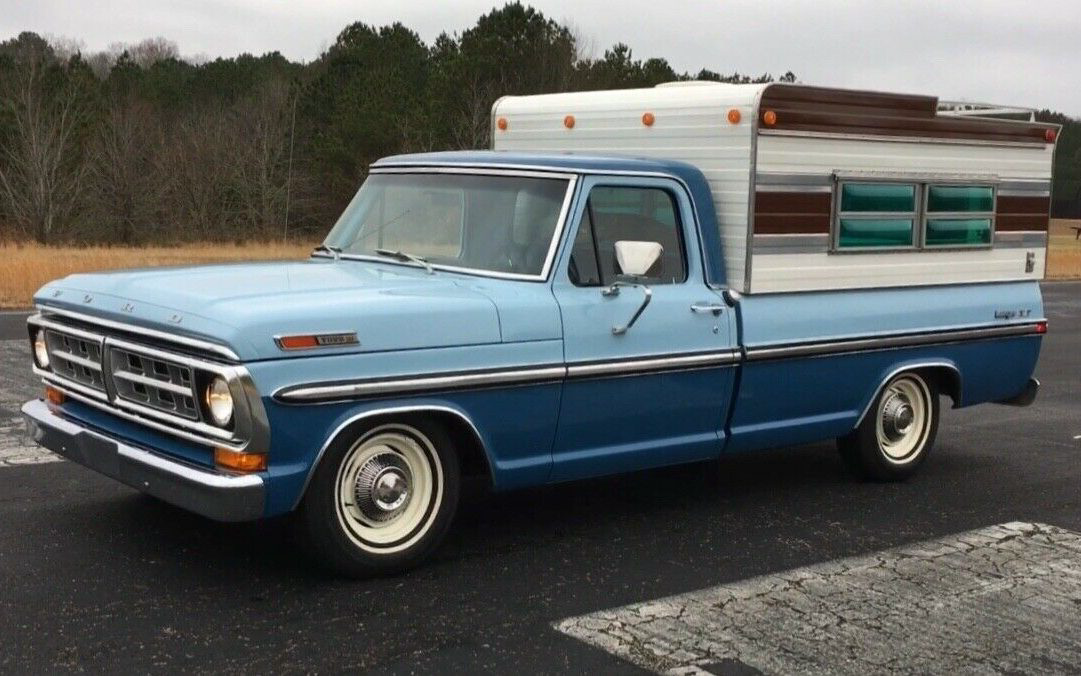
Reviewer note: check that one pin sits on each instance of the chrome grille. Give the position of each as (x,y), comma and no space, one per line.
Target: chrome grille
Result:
(107,365)
(160,384)
(76,358)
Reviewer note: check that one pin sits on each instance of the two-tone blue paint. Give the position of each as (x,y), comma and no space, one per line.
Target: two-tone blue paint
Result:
(411,323)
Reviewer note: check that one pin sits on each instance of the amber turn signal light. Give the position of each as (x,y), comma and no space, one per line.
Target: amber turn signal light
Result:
(54,396)
(648,119)
(734,116)
(501,123)
(769,118)
(568,122)
(297,342)
(239,462)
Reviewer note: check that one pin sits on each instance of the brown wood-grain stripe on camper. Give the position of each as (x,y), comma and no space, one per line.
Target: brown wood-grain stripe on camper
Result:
(1017,213)
(791,213)
(824,110)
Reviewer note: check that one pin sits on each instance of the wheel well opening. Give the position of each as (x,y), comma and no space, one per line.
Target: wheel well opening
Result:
(472,459)
(946,380)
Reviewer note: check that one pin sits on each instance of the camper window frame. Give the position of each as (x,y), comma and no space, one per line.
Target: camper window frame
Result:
(922,185)
(835,221)
(925,214)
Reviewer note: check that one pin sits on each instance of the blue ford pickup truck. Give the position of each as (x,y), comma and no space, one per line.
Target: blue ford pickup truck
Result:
(525,317)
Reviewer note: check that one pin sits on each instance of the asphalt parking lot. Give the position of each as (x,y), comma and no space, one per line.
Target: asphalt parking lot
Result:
(96,577)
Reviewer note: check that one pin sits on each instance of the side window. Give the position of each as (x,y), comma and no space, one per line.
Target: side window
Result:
(876,215)
(633,214)
(959,215)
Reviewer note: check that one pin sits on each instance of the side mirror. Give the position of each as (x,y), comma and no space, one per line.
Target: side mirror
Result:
(635,259)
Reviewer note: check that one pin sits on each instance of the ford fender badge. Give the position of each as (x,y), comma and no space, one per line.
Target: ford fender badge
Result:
(307,341)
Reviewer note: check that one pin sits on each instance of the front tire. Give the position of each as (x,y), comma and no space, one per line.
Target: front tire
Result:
(382,499)
(897,432)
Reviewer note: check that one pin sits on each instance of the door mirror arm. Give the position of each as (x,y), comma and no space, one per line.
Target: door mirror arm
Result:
(613,291)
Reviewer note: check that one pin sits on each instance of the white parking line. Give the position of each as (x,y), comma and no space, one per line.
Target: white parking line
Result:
(1004,598)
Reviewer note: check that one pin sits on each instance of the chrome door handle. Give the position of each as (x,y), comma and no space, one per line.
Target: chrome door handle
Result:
(715,308)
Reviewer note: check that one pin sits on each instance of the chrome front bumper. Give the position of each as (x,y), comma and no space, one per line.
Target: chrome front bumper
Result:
(223,497)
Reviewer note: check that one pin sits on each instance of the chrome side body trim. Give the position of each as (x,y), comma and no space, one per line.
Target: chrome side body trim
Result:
(820,348)
(639,366)
(425,383)
(898,371)
(194,343)
(510,377)
(383,412)
(519,376)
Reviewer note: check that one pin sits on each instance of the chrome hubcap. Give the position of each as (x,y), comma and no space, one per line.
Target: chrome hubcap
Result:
(897,416)
(904,419)
(382,487)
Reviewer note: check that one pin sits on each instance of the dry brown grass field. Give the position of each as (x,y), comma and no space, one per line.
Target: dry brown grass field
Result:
(1063,250)
(25,267)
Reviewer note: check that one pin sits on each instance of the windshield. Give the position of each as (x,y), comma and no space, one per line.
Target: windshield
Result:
(493,223)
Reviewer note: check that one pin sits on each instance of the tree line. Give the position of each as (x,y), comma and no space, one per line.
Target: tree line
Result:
(136,144)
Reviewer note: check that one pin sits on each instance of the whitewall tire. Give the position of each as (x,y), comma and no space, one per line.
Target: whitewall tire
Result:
(897,432)
(382,498)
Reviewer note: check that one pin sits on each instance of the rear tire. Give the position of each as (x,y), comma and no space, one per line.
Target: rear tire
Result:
(382,499)
(897,432)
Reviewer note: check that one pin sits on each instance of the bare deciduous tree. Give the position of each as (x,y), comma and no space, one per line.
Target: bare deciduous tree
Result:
(123,179)
(41,173)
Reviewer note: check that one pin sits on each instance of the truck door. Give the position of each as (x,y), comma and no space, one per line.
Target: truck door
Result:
(650,354)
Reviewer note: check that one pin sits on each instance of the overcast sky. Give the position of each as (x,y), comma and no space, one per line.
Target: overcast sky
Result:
(1019,53)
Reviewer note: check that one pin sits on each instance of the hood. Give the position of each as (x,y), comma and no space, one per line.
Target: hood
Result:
(245,305)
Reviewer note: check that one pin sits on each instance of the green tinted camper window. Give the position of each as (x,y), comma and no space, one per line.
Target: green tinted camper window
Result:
(876,216)
(878,197)
(959,215)
(960,198)
(958,231)
(875,232)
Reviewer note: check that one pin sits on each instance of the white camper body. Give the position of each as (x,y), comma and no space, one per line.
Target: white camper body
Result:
(778,158)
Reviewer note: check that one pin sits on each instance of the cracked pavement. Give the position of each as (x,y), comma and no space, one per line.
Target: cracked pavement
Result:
(15,448)
(1004,598)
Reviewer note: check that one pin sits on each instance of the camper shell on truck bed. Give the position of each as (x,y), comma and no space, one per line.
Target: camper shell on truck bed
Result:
(818,188)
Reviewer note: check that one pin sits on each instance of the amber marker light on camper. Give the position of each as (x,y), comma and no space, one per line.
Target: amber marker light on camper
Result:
(734,116)
(648,119)
(568,122)
(501,123)
(769,118)
(54,396)
(239,462)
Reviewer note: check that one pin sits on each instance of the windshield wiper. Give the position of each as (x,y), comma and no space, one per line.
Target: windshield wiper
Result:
(335,251)
(408,257)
